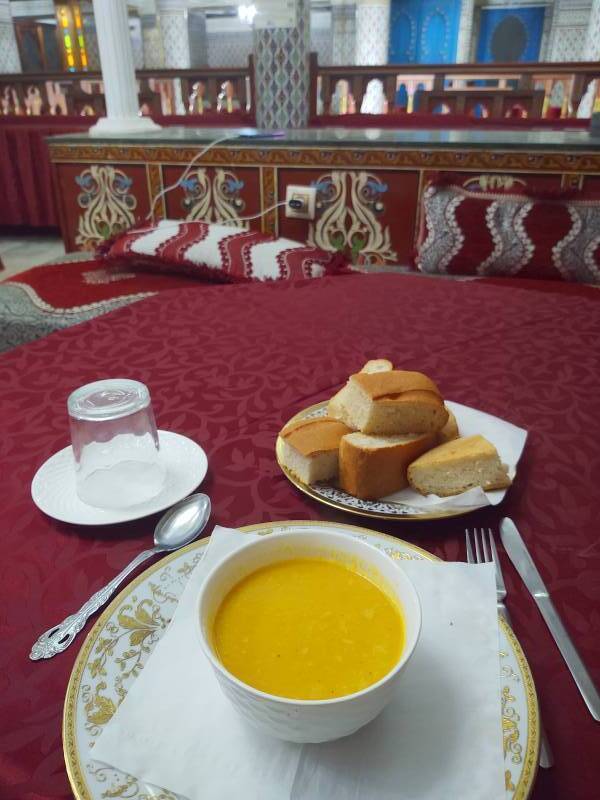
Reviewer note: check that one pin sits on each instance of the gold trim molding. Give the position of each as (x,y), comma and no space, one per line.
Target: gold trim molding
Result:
(344,156)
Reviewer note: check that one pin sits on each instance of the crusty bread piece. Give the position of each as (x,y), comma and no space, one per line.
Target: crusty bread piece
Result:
(378,365)
(335,407)
(450,429)
(310,448)
(392,403)
(375,466)
(459,465)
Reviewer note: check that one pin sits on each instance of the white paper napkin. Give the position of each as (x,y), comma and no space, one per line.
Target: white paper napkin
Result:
(439,738)
(509,441)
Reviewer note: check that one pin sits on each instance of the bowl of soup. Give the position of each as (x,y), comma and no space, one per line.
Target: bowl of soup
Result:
(308,632)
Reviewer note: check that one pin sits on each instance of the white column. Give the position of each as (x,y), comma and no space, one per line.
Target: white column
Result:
(118,75)
(591,50)
(343,33)
(372,32)
(465,31)
(9,52)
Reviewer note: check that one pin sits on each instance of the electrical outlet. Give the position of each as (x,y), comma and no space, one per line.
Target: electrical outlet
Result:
(300,202)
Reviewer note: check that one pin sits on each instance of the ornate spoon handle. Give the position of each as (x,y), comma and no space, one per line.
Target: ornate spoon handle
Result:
(58,638)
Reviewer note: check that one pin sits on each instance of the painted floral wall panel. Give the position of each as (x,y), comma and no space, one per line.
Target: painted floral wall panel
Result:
(369,214)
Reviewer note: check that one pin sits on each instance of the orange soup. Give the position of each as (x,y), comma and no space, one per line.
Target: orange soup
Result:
(308,629)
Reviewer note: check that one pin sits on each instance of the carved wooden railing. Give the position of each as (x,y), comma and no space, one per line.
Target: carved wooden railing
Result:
(161,92)
(495,90)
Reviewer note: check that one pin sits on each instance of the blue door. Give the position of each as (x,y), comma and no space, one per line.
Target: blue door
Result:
(423,31)
(510,34)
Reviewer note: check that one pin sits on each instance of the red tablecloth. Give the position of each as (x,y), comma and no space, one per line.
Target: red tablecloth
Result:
(228,366)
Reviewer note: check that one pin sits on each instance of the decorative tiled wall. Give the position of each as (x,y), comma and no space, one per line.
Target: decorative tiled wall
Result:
(9,53)
(229,49)
(173,26)
(91,41)
(372,32)
(343,34)
(282,79)
(592,44)
(154,57)
(320,43)
(465,31)
(137,47)
(569,30)
(197,35)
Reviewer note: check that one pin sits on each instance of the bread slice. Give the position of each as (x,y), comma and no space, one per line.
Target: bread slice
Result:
(310,448)
(459,465)
(450,429)
(336,408)
(392,403)
(375,466)
(378,365)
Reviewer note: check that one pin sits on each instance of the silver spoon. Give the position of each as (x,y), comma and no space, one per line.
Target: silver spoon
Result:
(179,526)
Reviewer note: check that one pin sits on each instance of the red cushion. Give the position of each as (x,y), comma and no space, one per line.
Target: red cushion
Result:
(467,232)
(222,253)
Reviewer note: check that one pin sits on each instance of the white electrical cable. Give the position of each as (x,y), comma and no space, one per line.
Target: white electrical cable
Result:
(186,172)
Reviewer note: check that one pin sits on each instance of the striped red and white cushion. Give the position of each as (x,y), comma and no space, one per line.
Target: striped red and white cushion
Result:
(222,253)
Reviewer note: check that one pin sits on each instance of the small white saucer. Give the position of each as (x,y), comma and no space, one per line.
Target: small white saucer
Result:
(53,486)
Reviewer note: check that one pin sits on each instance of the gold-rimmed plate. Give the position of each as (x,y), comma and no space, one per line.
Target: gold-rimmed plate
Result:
(125,635)
(470,421)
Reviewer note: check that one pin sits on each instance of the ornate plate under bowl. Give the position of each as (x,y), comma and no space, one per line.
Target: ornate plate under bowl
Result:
(124,636)
(331,495)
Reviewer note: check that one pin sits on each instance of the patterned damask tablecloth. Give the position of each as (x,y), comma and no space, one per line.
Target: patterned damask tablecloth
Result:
(228,366)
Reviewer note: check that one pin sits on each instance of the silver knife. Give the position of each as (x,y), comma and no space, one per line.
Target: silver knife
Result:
(519,555)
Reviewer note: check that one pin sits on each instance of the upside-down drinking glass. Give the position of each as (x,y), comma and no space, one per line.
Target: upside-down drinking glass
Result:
(115,444)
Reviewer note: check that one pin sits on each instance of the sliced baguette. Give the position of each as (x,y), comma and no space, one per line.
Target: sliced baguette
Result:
(457,466)
(391,403)
(310,448)
(336,408)
(375,466)
(450,430)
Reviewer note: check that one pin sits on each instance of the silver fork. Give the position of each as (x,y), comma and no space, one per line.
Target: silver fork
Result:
(480,552)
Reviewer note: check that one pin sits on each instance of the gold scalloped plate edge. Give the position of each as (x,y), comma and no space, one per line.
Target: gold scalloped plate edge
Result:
(310,492)
(73,764)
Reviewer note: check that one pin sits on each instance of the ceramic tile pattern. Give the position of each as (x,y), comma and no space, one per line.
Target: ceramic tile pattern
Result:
(282,79)
(91,41)
(9,54)
(175,39)
(569,30)
(372,33)
(321,44)
(343,34)
(592,44)
(229,49)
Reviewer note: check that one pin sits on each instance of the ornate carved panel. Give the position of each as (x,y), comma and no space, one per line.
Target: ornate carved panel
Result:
(107,202)
(349,209)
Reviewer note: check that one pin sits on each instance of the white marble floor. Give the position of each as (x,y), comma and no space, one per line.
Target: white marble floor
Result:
(21,253)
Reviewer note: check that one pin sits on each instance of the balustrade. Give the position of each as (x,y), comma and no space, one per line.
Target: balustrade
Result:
(530,90)
(490,90)
(223,90)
